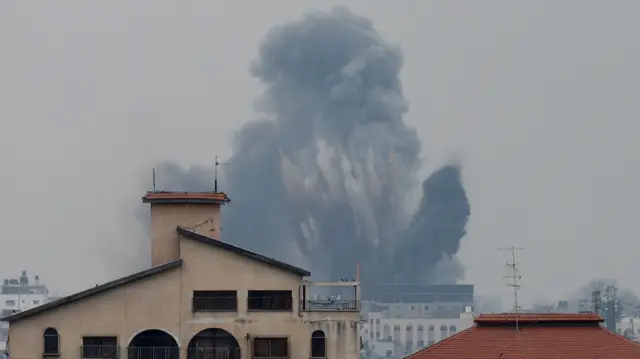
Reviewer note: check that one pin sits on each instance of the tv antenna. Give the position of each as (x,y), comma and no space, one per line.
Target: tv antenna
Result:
(215,174)
(515,279)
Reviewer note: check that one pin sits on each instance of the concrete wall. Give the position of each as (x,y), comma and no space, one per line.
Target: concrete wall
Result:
(165,217)
(164,302)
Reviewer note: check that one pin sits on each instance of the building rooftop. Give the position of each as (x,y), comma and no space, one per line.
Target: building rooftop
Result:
(185,197)
(186,233)
(538,336)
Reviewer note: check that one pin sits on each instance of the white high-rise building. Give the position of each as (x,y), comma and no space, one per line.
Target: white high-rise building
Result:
(18,294)
(407,318)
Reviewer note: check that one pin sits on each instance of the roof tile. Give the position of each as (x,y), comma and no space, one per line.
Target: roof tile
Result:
(542,336)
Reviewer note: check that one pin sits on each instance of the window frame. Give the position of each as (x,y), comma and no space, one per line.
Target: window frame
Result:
(324,345)
(115,347)
(270,338)
(200,305)
(252,300)
(48,336)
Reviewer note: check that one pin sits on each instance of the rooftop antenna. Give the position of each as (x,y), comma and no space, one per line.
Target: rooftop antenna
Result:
(515,279)
(154,180)
(215,174)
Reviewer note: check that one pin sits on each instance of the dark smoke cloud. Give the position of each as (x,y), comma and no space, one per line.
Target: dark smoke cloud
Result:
(324,179)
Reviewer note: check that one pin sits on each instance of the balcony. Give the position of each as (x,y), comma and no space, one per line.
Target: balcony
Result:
(104,351)
(214,353)
(331,305)
(153,352)
(345,296)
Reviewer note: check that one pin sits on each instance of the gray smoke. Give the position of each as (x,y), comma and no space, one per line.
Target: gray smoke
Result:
(324,179)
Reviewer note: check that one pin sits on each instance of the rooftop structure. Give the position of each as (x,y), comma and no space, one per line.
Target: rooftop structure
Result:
(202,298)
(534,336)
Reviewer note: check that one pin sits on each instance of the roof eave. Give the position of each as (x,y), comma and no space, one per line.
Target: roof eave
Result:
(184,200)
(92,291)
(247,253)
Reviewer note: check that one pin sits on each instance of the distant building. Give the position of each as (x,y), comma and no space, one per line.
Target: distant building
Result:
(20,294)
(202,299)
(16,295)
(407,318)
(534,336)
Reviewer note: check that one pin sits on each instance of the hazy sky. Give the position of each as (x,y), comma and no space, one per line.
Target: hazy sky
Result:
(535,97)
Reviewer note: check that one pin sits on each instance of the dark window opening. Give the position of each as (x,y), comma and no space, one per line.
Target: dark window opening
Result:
(99,347)
(215,300)
(319,344)
(270,348)
(276,300)
(153,344)
(51,342)
(213,343)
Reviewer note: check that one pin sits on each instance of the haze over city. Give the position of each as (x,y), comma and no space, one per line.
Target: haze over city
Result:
(534,100)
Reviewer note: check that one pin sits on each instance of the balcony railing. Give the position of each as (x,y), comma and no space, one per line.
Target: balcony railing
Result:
(329,305)
(153,353)
(214,353)
(105,351)
(270,303)
(214,304)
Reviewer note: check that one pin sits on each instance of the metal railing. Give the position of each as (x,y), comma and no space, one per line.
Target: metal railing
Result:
(99,351)
(270,303)
(153,353)
(214,304)
(214,353)
(329,305)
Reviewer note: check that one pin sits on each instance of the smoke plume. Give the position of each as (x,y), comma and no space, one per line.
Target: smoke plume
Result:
(323,180)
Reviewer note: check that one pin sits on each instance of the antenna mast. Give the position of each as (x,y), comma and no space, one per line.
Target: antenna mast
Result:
(215,174)
(515,279)
(154,180)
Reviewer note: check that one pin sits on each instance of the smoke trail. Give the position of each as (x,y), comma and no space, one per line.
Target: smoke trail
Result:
(323,180)
(439,223)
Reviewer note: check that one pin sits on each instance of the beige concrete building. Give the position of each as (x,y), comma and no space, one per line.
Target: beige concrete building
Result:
(202,299)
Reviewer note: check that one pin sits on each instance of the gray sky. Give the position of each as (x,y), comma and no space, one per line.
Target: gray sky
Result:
(535,97)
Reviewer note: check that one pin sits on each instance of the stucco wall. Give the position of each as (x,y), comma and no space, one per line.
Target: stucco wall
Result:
(165,218)
(164,302)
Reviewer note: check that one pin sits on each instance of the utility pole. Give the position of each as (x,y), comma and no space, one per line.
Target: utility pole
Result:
(515,279)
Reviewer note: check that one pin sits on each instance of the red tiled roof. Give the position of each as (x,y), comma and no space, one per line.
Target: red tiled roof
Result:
(540,336)
(185,197)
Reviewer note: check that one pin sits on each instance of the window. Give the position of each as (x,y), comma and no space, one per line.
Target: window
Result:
(51,342)
(273,300)
(99,347)
(443,332)
(270,348)
(452,330)
(396,334)
(10,302)
(215,300)
(387,332)
(420,336)
(36,302)
(319,345)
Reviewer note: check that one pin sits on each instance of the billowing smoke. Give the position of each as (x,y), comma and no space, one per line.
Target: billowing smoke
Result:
(324,180)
